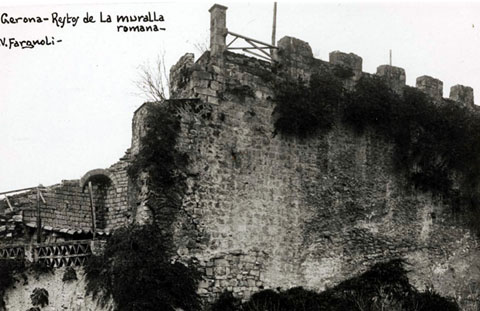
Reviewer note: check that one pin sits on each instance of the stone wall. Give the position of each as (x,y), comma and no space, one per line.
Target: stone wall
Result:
(66,212)
(120,199)
(270,211)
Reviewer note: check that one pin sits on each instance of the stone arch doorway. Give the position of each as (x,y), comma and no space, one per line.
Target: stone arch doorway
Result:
(102,185)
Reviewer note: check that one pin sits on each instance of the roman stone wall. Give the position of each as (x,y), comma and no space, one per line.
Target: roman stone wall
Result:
(270,211)
(120,199)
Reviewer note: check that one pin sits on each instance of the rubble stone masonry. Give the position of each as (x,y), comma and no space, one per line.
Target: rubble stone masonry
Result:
(271,211)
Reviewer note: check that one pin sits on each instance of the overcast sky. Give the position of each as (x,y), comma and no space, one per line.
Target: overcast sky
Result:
(67,108)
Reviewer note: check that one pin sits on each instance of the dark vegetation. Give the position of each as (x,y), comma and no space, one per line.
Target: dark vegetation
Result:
(303,109)
(69,275)
(157,157)
(162,164)
(39,268)
(10,269)
(241,92)
(342,72)
(437,145)
(136,273)
(385,286)
(135,269)
(14,270)
(433,141)
(39,297)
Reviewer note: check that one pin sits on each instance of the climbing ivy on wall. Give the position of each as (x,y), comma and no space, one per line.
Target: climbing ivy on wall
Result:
(437,145)
(157,156)
(304,108)
(163,164)
(135,269)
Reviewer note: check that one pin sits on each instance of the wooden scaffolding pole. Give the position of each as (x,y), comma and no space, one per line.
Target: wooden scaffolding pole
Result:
(92,208)
(39,219)
(274,29)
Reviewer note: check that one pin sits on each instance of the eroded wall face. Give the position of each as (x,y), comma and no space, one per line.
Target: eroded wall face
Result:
(120,197)
(269,211)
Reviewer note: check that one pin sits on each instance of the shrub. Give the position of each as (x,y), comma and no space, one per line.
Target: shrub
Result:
(135,269)
(69,275)
(156,156)
(9,268)
(267,300)
(39,268)
(137,274)
(39,297)
(385,286)
(429,300)
(226,302)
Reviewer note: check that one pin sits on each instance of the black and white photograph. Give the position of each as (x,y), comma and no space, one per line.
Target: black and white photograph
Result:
(239,156)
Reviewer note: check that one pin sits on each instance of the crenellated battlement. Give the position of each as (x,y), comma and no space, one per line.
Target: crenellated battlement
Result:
(430,86)
(394,76)
(296,53)
(351,61)
(462,94)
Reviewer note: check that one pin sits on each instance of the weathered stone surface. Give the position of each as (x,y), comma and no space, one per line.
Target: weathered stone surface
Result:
(462,94)
(218,29)
(304,212)
(295,47)
(180,72)
(352,61)
(295,55)
(394,77)
(430,86)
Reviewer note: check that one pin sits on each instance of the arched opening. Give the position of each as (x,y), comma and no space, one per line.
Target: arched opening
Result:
(102,183)
(97,176)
